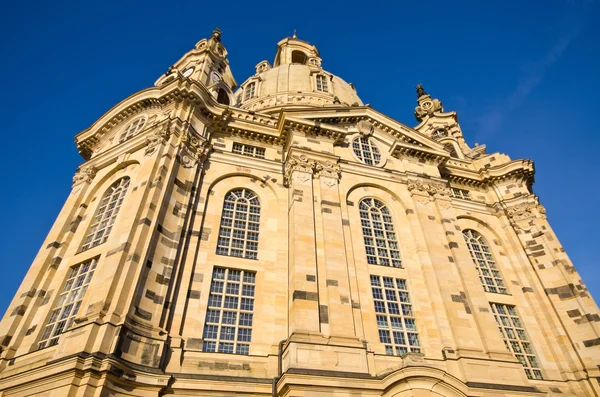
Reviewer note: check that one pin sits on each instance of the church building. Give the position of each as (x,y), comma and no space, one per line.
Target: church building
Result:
(281,238)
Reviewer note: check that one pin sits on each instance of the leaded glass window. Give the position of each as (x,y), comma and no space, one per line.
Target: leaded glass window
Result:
(395,316)
(229,317)
(248,150)
(366,150)
(250,91)
(379,236)
(106,214)
(322,83)
(461,193)
(133,128)
(482,257)
(68,303)
(240,220)
(515,338)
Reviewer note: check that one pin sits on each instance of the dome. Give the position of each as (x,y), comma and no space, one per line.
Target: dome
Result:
(295,80)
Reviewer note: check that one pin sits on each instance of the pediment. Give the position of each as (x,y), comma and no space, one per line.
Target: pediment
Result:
(340,122)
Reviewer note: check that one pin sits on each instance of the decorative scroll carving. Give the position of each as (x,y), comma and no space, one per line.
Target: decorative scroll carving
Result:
(521,211)
(83,175)
(301,164)
(192,149)
(417,187)
(310,168)
(328,169)
(158,137)
(523,216)
(428,189)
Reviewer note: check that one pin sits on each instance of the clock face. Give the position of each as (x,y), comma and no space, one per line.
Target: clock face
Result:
(215,77)
(188,72)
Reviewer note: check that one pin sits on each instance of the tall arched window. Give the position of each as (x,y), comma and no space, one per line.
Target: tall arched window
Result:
(106,214)
(133,128)
(378,232)
(240,220)
(489,274)
(366,150)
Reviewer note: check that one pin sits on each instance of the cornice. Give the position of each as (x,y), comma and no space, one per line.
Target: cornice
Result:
(516,169)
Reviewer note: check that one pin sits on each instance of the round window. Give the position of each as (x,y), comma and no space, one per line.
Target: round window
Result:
(366,150)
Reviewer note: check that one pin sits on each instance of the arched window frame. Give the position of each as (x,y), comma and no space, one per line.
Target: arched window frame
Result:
(250,90)
(485,262)
(132,129)
(379,235)
(366,150)
(106,214)
(240,224)
(321,83)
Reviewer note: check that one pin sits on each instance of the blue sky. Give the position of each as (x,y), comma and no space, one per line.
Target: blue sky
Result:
(522,75)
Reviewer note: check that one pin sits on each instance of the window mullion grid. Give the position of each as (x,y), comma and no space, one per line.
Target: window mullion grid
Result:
(397,340)
(515,338)
(69,301)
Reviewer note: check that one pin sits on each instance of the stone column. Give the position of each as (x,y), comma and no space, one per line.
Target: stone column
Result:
(303,295)
(334,286)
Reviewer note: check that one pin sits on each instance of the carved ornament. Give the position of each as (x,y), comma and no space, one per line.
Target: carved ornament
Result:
(310,168)
(156,138)
(365,128)
(192,149)
(428,189)
(84,175)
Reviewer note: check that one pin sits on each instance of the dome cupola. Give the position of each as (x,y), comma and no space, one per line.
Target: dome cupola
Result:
(296,80)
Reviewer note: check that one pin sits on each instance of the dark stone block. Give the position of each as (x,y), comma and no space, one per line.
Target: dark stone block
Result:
(332,282)
(310,277)
(305,295)
(324,314)
(409,211)
(574,313)
(452,244)
(145,221)
(591,342)
(54,244)
(193,294)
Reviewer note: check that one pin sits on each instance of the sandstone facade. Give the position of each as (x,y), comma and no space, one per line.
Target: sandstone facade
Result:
(284,239)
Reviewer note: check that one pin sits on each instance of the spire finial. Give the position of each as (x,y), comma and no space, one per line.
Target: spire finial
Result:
(420,90)
(216,34)
(294,35)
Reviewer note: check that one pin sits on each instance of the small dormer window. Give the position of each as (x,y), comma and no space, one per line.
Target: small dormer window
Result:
(322,83)
(250,91)
(439,133)
(299,57)
(133,128)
